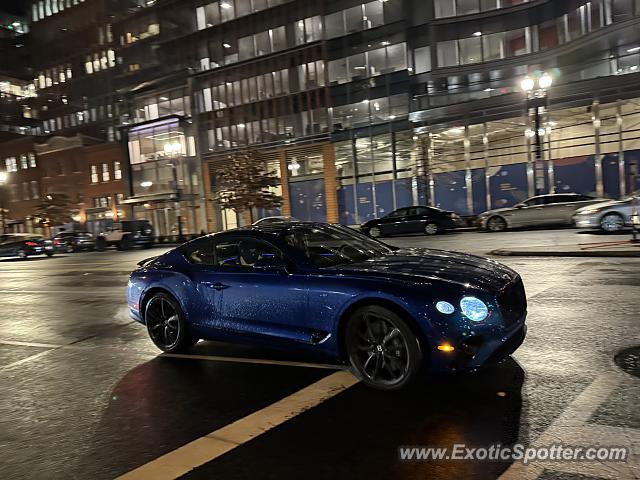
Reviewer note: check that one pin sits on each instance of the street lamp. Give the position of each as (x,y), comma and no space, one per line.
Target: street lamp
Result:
(173,150)
(4,176)
(536,105)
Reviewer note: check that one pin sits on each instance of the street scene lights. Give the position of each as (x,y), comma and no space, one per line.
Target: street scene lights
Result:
(4,176)
(173,150)
(536,91)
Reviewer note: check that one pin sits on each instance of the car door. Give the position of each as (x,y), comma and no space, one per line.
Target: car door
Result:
(416,219)
(568,205)
(556,209)
(9,245)
(530,213)
(254,301)
(393,223)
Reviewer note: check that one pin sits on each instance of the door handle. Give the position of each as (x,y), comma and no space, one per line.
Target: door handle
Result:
(219,286)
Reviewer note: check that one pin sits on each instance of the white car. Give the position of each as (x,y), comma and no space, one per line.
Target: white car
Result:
(611,216)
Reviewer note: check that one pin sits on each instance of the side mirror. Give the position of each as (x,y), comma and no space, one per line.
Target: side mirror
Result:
(270,263)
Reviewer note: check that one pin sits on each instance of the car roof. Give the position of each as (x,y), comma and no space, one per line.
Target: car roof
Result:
(274,229)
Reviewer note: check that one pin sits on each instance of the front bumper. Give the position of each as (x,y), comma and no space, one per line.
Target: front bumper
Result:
(587,221)
(472,353)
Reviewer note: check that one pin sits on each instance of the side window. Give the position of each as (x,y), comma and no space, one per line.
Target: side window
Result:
(399,213)
(534,201)
(200,252)
(419,211)
(243,252)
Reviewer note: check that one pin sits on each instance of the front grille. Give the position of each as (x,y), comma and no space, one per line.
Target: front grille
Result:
(512,301)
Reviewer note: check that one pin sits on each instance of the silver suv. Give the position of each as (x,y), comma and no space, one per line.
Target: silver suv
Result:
(543,210)
(610,216)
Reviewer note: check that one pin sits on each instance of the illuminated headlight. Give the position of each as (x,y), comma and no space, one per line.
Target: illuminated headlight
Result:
(474,309)
(445,307)
(589,211)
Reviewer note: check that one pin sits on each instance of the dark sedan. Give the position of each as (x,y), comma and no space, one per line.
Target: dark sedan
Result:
(427,220)
(70,242)
(388,312)
(25,245)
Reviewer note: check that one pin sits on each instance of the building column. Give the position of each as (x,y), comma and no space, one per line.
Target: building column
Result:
(621,169)
(598,159)
(487,176)
(330,183)
(468,180)
(284,181)
(212,224)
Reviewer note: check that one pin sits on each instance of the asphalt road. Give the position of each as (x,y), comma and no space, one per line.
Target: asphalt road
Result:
(86,395)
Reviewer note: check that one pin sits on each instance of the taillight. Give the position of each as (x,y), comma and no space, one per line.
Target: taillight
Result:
(31,244)
(56,241)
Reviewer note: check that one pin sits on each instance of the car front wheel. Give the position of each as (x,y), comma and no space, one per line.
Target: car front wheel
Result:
(431,228)
(496,224)
(612,222)
(166,324)
(382,350)
(374,232)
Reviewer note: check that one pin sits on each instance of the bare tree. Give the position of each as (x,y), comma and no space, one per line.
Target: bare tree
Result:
(54,209)
(244,184)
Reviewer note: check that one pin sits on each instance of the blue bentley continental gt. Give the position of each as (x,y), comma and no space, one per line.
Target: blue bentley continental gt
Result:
(386,311)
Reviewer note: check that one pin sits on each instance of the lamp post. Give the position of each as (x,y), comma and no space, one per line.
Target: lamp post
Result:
(173,149)
(536,91)
(4,176)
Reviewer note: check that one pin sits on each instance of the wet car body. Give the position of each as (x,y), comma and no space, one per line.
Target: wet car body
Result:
(307,307)
(419,219)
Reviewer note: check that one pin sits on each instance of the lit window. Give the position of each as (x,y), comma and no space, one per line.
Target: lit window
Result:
(111,56)
(117,171)
(32,160)
(88,66)
(11,164)
(94,174)
(23,162)
(105,172)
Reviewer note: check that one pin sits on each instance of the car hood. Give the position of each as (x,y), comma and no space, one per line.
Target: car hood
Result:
(434,266)
(497,210)
(605,204)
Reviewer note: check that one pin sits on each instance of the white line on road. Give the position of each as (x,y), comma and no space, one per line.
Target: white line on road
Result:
(205,449)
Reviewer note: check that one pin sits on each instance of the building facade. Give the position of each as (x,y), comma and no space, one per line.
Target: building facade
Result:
(361,107)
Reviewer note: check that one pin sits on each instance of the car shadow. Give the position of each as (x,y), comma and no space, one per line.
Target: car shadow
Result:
(604,234)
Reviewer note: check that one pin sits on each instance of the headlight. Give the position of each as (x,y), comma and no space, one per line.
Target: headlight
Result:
(474,309)
(589,211)
(445,307)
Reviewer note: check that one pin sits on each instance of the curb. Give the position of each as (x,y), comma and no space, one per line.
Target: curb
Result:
(574,253)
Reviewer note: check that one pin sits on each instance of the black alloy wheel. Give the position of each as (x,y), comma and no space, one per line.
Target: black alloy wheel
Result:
(431,228)
(165,324)
(70,247)
(383,351)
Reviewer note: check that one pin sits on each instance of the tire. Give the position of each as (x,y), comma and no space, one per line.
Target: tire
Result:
(496,224)
(101,244)
(147,246)
(166,325)
(69,248)
(23,254)
(376,334)
(612,222)
(374,232)
(126,243)
(49,254)
(431,228)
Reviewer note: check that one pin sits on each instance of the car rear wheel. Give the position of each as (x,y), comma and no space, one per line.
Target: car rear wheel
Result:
(101,244)
(70,248)
(166,325)
(612,222)
(496,224)
(431,228)
(375,232)
(23,254)
(383,351)
(126,243)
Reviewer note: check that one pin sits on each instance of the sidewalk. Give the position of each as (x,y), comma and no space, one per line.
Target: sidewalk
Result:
(621,248)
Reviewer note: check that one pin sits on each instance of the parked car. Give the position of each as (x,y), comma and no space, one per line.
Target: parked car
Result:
(427,220)
(610,216)
(387,312)
(539,211)
(275,219)
(25,245)
(126,235)
(70,242)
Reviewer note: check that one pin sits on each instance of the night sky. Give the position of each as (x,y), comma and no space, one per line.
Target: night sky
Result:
(17,7)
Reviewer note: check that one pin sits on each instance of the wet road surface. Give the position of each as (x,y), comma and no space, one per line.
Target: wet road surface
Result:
(86,395)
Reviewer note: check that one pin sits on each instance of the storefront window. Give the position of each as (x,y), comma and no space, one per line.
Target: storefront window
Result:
(470,50)
(447,53)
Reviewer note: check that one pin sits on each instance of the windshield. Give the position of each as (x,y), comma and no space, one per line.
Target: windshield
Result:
(329,245)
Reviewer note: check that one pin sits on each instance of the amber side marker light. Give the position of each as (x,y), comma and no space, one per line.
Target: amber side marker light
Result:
(445,347)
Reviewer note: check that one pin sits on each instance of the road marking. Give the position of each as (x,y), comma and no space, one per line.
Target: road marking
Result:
(209,447)
(286,363)
(28,359)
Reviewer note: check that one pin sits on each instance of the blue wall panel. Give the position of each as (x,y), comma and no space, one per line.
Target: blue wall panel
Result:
(307,200)
(508,184)
(611,176)
(346,205)
(575,175)
(479,189)
(364,193)
(384,198)
(451,192)
(404,194)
